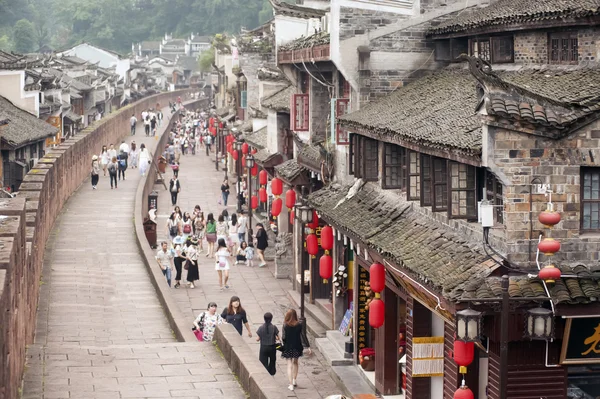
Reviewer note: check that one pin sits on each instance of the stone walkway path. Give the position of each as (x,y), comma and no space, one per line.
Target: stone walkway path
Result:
(101,331)
(257,288)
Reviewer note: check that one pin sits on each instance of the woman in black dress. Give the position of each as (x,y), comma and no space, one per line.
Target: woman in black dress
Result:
(294,342)
(236,315)
(191,254)
(262,242)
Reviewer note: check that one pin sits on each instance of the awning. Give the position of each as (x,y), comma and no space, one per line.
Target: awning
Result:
(267,159)
(292,173)
(311,158)
(72,116)
(257,139)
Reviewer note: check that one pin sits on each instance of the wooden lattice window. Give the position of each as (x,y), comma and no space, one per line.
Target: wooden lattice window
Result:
(502,49)
(300,112)
(352,154)
(426,180)
(341,108)
(440,184)
(414,176)
(493,193)
(481,48)
(370,159)
(394,166)
(590,199)
(563,48)
(463,195)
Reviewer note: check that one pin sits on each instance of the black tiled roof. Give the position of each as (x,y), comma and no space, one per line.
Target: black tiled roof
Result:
(22,127)
(310,157)
(516,12)
(316,39)
(437,111)
(293,10)
(289,170)
(257,139)
(279,101)
(383,221)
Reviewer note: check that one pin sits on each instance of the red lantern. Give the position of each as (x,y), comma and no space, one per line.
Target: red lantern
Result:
(464,393)
(262,177)
(549,274)
(276,206)
(315,222)
(325,267)
(549,218)
(245,148)
(327,238)
(254,151)
(276,186)
(549,246)
(254,170)
(312,244)
(377,277)
(376,313)
(229,148)
(292,217)
(254,202)
(290,198)
(235,154)
(262,194)
(464,352)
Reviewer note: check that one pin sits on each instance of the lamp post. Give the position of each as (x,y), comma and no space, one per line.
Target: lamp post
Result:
(304,214)
(249,165)
(217,131)
(237,145)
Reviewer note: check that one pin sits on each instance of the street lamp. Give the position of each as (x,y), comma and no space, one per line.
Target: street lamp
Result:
(539,324)
(217,134)
(468,325)
(304,214)
(237,145)
(249,165)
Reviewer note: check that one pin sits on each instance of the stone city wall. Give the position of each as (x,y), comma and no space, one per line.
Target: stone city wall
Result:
(26,223)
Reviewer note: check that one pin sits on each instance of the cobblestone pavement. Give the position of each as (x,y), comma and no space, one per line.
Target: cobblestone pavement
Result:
(257,288)
(101,331)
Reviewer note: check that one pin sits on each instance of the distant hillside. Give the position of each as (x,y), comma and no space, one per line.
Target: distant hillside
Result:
(27,25)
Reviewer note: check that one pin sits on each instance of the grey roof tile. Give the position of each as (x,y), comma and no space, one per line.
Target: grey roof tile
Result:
(280,100)
(289,170)
(22,127)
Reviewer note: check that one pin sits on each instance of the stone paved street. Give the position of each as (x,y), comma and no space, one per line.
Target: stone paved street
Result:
(101,331)
(257,288)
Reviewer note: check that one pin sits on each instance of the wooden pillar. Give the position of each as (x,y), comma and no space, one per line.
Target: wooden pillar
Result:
(417,325)
(386,347)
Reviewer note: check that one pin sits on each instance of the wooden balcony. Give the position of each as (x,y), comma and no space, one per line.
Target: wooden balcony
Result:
(312,54)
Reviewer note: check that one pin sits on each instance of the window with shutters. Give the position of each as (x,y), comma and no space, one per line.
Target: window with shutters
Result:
(463,195)
(244,99)
(300,112)
(394,166)
(502,49)
(414,176)
(341,108)
(481,48)
(590,199)
(426,180)
(563,48)
(370,159)
(440,184)
(493,193)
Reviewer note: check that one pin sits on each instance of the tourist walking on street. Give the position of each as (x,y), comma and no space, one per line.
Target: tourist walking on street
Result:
(222,264)
(133,123)
(124,148)
(268,335)
(112,172)
(191,254)
(164,257)
(153,123)
(111,151)
(242,226)
(222,229)
(225,191)
(134,155)
(235,314)
(174,189)
(145,159)
(173,226)
(294,342)
(95,171)
(147,123)
(199,229)
(209,321)
(234,239)
(122,164)
(178,259)
(211,234)
(104,158)
(262,242)
(186,225)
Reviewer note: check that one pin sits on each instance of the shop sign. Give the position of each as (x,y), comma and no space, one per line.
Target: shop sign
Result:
(347,321)
(427,356)
(362,324)
(581,341)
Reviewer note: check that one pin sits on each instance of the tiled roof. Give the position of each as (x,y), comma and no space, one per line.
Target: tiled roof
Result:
(289,170)
(387,224)
(22,127)
(279,101)
(517,12)
(263,156)
(311,157)
(570,291)
(267,72)
(316,39)
(437,111)
(150,45)
(257,139)
(293,10)
(188,63)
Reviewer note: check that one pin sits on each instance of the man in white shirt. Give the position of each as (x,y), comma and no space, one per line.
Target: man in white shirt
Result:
(112,153)
(124,148)
(164,257)
(133,123)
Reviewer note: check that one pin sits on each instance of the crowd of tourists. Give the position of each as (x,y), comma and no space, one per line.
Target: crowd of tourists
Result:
(113,162)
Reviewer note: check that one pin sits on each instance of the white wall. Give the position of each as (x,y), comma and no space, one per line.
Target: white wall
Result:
(437,330)
(483,377)
(272,131)
(289,28)
(12,87)
(103,58)
(258,124)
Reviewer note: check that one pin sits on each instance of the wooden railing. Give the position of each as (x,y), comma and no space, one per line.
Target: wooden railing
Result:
(317,53)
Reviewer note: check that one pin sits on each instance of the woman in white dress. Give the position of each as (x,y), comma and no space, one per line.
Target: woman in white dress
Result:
(222,264)
(134,155)
(104,159)
(145,159)
(234,239)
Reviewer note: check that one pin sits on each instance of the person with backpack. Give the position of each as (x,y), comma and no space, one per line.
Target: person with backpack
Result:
(174,189)
(133,123)
(147,124)
(95,171)
(153,123)
(268,336)
(112,171)
(122,164)
(173,226)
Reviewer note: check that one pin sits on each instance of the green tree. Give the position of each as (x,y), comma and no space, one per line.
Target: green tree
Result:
(24,36)
(5,43)
(206,60)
